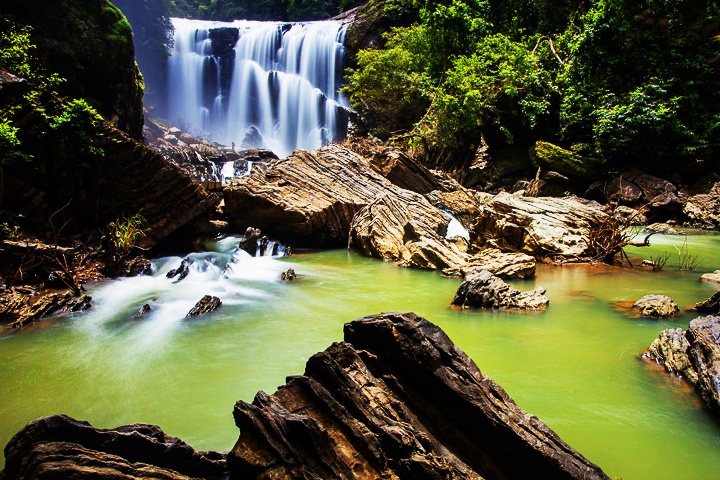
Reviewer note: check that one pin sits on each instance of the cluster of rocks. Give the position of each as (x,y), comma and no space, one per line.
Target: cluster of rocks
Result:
(396,399)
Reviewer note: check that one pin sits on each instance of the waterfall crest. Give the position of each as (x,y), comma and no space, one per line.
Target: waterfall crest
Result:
(259,84)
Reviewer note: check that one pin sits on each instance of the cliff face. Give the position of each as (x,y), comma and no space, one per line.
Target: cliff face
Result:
(88,42)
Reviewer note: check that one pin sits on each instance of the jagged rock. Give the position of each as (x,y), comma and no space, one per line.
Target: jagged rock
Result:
(404,171)
(703,210)
(709,306)
(204,306)
(406,228)
(656,306)
(397,399)
(540,227)
(180,272)
(61,447)
(482,289)
(21,313)
(249,241)
(288,276)
(144,310)
(500,264)
(704,337)
(695,354)
(711,277)
(670,350)
(310,197)
(629,216)
(662,228)
(136,266)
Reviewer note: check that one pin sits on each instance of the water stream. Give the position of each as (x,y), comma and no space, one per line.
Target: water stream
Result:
(575,366)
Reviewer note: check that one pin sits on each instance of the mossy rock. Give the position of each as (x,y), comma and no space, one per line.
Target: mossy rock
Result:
(550,157)
(89,43)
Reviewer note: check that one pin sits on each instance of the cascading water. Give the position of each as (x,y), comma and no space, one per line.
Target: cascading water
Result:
(259,84)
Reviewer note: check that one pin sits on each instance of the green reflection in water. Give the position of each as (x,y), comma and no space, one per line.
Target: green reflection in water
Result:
(575,366)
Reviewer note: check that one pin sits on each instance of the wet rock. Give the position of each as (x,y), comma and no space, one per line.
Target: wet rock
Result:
(656,306)
(406,228)
(288,276)
(144,310)
(709,306)
(136,266)
(180,272)
(397,399)
(500,264)
(670,350)
(61,447)
(695,354)
(704,337)
(249,241)
(482,289)
(204,306)
(703,210)
(21,312)
(541,227)
(711,277)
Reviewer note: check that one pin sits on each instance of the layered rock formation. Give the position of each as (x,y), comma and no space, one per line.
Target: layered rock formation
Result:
(540,227)
(396,400)
(694,354)
(703,210)
(61,447)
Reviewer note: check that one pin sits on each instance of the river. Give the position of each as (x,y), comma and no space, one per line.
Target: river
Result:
(575,366)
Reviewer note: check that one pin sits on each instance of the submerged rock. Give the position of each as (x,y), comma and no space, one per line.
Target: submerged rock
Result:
(694,354)
(397,399)
(656,306)
(482,289)
(180,272)
(205,305)
(61,447)
(288,276)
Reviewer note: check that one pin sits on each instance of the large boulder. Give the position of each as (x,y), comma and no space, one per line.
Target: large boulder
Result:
(406,228)
(544,227)
(61,447)
(482,289)
(551,158)
(90,44)
(404,171)
(309,197)
(397,399)
(656,306)
(694,354)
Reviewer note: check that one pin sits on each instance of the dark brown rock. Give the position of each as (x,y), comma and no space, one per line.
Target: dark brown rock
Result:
(404,171)
(204,306)
(180,272)
(397,400)
(288,276)
(60,447)
(19,312)
(482,289)
(709,306)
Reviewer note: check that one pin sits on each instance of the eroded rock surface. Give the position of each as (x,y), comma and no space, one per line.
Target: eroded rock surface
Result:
(61,447)
(695,354)
(703,210)
(709,306)
(656,306)
(406,228)
(207,304)
(482,289)
(500,264)
(396,400)
(540,227)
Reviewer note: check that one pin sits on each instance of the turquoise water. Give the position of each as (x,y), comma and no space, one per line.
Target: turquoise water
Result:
(575,366)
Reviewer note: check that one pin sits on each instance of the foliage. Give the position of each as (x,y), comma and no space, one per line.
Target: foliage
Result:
(126,231)
(293,10)
(79,121)
(618,80)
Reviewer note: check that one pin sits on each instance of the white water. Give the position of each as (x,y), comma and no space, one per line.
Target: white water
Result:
(281,86)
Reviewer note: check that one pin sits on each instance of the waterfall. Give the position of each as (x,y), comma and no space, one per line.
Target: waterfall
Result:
(258,84)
